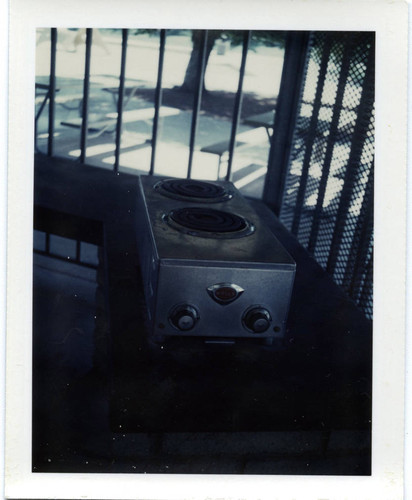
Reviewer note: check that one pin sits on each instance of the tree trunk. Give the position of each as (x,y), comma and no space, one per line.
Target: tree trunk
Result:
(190,80)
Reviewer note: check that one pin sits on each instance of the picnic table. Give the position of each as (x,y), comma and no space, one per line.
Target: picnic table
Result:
(43,93)
(99,124)
(265,119)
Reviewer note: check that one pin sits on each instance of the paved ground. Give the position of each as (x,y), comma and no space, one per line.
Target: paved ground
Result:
(261,85)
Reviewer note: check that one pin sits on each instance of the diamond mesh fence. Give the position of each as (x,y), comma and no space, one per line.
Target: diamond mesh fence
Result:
(328,197)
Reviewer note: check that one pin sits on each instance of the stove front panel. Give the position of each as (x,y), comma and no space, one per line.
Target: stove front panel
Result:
(221,301)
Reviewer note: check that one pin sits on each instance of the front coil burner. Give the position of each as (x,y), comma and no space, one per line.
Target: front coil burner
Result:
(209,223)
(192,190)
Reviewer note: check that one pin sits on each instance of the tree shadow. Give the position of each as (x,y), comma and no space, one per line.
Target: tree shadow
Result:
(219,104)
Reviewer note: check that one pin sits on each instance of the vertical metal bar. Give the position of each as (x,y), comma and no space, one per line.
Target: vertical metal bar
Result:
(86,85)
(291,86)
(238,103)
(361,241)
(120,100)
(361,127)
(197,100)
(158,99)
(310,139)
(331,141)
(52,89)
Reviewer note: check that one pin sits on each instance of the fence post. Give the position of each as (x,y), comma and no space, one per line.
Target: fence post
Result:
(120,100)
(294,68)
(158,99)
(85,107)
(52,90)
(197,100)
(238,103)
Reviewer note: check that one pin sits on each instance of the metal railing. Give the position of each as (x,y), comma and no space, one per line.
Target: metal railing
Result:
(197,98)
(72,259)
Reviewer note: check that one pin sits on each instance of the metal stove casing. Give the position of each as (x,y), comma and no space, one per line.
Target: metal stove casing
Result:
(211,286)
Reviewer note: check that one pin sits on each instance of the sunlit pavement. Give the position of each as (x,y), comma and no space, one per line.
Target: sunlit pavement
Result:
(172,151)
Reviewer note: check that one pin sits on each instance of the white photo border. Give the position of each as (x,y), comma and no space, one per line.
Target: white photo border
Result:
(389,20)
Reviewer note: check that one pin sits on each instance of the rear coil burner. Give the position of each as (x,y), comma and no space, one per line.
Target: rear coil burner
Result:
(209,223)
(192,190)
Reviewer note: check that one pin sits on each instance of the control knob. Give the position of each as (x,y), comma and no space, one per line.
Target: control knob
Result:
(257,319)
(184,317)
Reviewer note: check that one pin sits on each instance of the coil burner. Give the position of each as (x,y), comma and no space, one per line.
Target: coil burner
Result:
(193,190)
(211,268)
(209,223)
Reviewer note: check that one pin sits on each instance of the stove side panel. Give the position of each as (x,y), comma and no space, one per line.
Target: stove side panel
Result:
(148,257)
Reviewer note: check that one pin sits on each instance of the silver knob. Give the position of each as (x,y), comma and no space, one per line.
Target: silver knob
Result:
(184,317)
(257,320)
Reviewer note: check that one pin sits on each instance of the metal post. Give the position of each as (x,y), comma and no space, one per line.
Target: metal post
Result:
(238,103)
(120,100)
(52,90)
(293,76)
(85,107)
(197,100)
(158,99)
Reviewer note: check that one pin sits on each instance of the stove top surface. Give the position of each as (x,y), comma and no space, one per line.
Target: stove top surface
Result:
(228,231)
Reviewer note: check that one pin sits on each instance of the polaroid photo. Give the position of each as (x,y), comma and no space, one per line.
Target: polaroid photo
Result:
(206,249)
